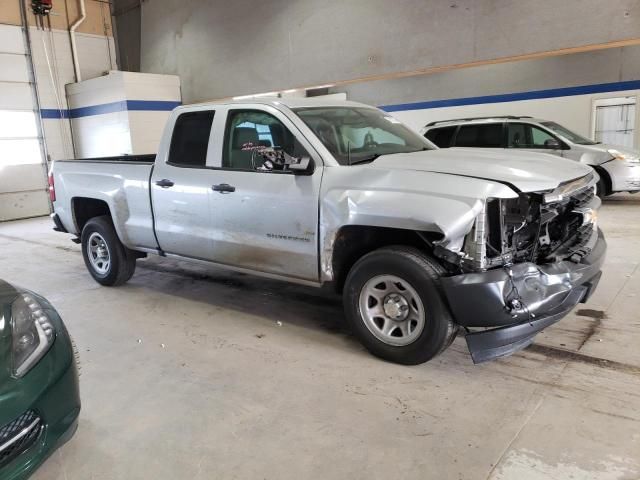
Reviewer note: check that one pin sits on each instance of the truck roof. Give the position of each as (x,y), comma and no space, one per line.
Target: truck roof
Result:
(291,102)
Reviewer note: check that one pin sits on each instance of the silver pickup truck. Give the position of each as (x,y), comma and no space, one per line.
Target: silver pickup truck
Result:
(422,243)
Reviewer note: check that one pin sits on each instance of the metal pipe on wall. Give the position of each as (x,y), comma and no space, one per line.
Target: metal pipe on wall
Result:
(72,35)
(35,93)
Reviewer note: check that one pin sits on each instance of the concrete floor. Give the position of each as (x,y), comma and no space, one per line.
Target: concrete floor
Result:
(188,373)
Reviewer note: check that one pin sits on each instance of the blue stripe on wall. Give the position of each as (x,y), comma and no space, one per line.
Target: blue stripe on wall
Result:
(112,107)
(52,113)
(157,105)
(513,97)
(124,105)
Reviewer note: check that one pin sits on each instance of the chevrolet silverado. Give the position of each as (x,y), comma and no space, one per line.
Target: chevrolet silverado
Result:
(423,243)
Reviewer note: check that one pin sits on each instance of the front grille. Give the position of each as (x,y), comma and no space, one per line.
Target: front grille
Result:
(18,436)
(579,248)
(572,234)
(583,197)
(538,227)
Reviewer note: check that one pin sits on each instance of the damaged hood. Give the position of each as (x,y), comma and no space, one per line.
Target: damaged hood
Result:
(527,171)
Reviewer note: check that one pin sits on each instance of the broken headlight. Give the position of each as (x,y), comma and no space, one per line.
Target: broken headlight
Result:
(33,333)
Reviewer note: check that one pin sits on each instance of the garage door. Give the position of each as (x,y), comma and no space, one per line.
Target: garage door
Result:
(22,168)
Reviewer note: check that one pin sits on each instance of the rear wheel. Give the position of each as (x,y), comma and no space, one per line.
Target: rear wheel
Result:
(109,262)
(394,305)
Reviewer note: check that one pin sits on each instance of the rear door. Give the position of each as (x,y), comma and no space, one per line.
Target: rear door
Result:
(181,186)
(265,219)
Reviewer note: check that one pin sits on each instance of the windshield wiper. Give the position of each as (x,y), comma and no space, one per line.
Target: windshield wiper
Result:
(368,159)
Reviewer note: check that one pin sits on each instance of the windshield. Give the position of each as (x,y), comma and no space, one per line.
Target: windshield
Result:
(568,134)
(358,135)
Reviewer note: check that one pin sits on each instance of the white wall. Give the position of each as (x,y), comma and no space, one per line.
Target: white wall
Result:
(574,112)
(53,65)
(147,126)
(103,135)
(125,131)
(96,55)
(146,130)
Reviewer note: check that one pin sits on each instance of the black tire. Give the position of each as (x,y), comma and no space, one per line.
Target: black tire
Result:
(122,261)
(603,187)
(421,272)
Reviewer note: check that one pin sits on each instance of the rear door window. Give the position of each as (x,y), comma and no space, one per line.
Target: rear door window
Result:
(486,135)
(441,136)
(190,139)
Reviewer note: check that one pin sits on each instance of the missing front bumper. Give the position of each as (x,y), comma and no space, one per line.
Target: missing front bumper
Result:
(518,302)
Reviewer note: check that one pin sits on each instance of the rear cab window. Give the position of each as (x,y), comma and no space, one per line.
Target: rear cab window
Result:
(190,139)
(441,136)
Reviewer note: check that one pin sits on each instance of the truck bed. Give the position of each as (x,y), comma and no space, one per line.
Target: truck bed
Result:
(129,159)
(120,183)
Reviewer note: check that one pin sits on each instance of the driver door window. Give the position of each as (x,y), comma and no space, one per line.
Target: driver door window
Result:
(255,140)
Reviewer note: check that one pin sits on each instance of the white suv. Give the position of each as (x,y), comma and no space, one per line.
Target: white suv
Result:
(619,168)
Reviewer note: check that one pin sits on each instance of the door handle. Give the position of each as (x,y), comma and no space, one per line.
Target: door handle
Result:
(165,183)
(223,188)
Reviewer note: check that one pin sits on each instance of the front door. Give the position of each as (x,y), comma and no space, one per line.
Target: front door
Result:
(266,218)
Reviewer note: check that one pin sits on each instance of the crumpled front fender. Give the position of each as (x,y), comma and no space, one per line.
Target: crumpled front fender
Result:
(409,200)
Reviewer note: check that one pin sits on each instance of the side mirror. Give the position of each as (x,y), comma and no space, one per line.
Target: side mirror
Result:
(552,143)
(275,158)
(301,166)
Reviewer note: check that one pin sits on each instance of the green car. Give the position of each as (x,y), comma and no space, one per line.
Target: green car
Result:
(39,395)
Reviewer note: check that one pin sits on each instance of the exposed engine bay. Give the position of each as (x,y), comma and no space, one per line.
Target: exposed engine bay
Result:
(526,262)
(540,227)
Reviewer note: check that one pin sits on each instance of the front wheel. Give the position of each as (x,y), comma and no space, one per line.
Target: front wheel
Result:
(394,305)
(109,262)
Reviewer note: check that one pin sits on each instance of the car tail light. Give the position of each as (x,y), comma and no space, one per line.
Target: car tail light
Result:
(52,188)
